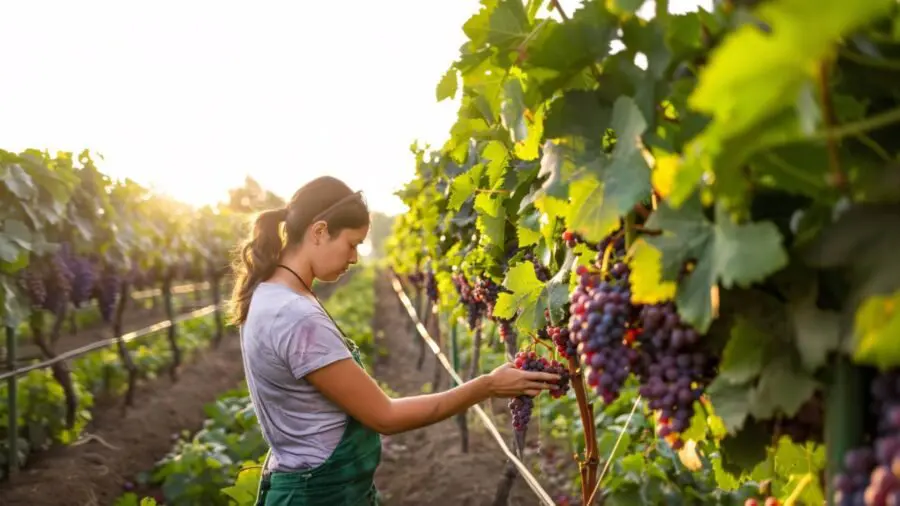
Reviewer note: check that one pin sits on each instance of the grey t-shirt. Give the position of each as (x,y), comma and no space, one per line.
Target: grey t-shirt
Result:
(287,336)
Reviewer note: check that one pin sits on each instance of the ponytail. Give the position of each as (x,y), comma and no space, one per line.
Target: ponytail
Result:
(257,260)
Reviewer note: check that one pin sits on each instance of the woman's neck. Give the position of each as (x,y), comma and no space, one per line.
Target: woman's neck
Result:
(301,267)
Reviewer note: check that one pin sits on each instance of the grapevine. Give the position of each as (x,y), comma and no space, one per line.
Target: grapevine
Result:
(709,227)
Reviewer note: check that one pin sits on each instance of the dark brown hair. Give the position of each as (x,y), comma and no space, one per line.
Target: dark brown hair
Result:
(325,198)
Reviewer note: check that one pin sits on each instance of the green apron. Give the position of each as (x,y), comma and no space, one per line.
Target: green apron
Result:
(346,478)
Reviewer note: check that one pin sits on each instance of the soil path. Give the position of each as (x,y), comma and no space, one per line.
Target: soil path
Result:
(93,474)
(427,466)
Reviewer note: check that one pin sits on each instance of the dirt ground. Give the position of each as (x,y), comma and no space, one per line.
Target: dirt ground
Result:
(92,474)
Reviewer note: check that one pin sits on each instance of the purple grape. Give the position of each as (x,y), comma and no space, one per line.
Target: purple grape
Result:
(431,288)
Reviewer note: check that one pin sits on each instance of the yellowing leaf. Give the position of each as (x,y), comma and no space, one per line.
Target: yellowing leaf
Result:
(647,286)
(664,172)
(689,457)
(877,329)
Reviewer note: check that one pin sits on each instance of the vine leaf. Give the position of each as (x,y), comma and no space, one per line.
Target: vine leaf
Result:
(816,332)
(746,449)
(745,353)
(783,387)
(528,229)
(509,25)
(15,237)
(731,402)
(512,110)
(463,186)
(599,200)
(495,157)
(529,296)
(796,461)
(447,86)
(877,328)
(647,284)
(18,181)
(726,253)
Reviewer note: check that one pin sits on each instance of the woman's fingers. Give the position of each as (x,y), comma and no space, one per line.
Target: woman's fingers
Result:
(541,376)
(539,385)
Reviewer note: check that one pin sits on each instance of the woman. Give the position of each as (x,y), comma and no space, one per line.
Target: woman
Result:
(320,412)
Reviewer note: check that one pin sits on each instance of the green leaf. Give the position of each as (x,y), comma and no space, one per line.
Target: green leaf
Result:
(512,109)
(731,402)
(528,229)
(463,186)
(625,6)
(14,233)
(561,50)
(529,296)
(598,206)
(447,86)
(798,461)
(816,332)
(726,253)
(783,387)
(509,25)
(496,158)
(745,449)
(877,327)
(18,181)
(579,113)
(743,356)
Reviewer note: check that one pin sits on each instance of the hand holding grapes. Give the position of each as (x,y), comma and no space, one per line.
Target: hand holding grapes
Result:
(508,381)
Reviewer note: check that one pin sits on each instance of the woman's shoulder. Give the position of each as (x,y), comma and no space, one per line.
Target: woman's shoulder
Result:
(286,309)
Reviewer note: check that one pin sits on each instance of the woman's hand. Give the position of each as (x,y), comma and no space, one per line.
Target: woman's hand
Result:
(507,381)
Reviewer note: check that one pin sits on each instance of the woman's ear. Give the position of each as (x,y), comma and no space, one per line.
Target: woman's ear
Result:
(319,232)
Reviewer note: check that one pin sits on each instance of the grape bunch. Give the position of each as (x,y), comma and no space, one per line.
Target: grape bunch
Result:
(521,406)
(564,344)
(600,312)
(870,474)
(506,329)
(106,292)
(485,291)
(431,288)
(58,281)
(474,307)
(416,279)
(540,270)
(84,275)
(33,283)
(674,369)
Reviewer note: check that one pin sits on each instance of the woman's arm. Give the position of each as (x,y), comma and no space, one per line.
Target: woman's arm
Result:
(350,387)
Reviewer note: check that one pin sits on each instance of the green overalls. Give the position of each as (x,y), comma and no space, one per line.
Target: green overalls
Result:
(346,478)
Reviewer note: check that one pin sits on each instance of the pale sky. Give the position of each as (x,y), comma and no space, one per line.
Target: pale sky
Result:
(190,96)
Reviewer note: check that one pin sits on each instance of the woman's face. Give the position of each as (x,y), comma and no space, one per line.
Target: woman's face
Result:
(333,255)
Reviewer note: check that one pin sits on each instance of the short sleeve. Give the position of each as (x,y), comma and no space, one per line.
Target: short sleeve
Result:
(312,344)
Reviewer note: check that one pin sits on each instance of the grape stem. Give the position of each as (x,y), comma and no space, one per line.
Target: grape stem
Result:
(588,466)
(839,179)
(536,341)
